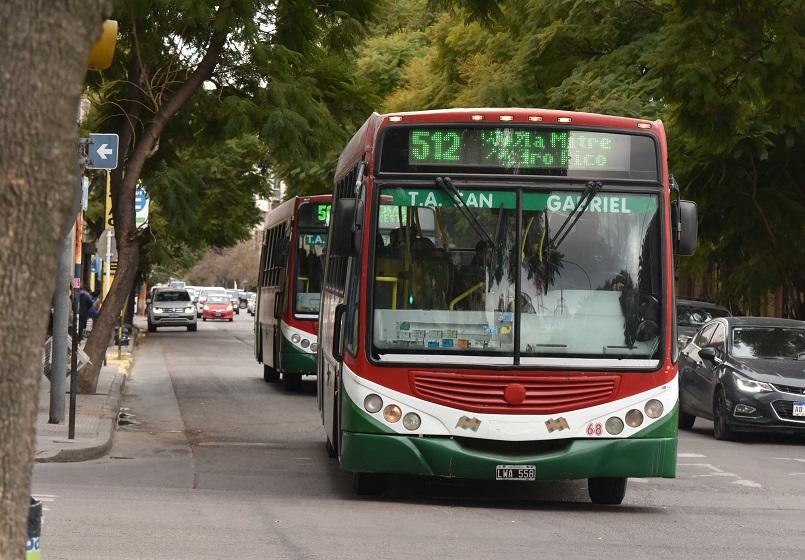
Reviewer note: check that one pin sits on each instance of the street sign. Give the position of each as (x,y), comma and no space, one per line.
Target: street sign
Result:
(101,245)
(102,151)
(141,205)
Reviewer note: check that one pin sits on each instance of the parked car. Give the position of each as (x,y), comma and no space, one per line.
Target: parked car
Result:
(170,307)
(219,307)
(691,314)
(745,374)
(250,303)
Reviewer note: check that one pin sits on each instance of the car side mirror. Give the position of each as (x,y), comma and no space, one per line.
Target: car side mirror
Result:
(685,224)
(708,353)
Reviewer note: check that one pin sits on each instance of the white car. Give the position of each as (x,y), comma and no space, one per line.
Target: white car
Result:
(250,303)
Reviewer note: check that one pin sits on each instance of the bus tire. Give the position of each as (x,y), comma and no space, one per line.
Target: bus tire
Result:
(331,451)
(270,375)
(606,491)
(686,420)
(368,484)
(291,381)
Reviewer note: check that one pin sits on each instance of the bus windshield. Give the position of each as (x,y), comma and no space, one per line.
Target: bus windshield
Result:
(309,271)
(441,288)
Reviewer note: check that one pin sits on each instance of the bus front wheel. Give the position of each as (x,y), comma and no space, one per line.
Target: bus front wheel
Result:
(368,484)
(606,491)
(270,375)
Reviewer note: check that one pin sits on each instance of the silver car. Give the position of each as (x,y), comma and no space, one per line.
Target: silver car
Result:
(170,307)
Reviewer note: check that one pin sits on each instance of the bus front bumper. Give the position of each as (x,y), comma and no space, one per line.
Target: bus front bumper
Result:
(454,458)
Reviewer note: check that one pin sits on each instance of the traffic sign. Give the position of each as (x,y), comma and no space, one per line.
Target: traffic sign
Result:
(102,151)
(141,205)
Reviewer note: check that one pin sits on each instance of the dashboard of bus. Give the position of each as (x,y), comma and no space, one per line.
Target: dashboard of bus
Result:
(550,274)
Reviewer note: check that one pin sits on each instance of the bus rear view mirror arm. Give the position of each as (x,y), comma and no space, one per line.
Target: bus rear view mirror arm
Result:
(278,305)
(685,227)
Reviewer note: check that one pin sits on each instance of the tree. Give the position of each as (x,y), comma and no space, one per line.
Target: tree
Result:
(727,78)
(43,53)
(254,60)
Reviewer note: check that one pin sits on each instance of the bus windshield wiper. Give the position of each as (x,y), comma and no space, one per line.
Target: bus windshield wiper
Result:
(446,184)
(587,196)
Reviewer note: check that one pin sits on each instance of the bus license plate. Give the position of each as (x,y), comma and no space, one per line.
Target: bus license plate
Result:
(799,408)
(516,472)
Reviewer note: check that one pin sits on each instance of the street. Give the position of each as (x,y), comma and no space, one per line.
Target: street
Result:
(217,464)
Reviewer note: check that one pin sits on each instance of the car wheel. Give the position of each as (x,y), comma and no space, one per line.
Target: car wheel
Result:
(151,328)
(721,424)
(686,420)
(606,491)
(192,328)
(204,319)
(368,484)
(231,319)
(270,375)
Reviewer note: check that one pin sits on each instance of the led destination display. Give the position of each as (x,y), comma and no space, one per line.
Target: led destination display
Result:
(519,150)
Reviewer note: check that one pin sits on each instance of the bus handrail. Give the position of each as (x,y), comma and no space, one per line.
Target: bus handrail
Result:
(465,295)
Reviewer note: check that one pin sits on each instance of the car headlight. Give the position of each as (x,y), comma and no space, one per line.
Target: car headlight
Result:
(189,309)
(157,310)
(229,308)
(749,386)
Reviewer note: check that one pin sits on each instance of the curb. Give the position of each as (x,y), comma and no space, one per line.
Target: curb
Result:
(108,418)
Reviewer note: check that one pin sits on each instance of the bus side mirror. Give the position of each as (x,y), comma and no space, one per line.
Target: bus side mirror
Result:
(341,240)
(685,227)
(279,307)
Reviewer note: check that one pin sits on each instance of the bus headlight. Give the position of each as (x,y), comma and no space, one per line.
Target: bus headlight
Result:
(412,421)
(392,413)
(653,408)
(372,403)
(314,347)
(305,343)
(295,338)
(634,418)
(614,425)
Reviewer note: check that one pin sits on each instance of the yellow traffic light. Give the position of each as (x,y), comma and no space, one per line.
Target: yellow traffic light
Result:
(103,51)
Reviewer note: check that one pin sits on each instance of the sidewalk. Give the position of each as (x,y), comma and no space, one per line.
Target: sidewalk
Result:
(96,415)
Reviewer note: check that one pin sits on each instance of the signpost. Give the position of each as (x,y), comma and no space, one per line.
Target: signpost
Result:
(103,151)
(141,205)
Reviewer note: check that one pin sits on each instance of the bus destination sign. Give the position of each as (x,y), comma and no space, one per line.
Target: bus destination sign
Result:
(315,214)
(515,147)
(526,150)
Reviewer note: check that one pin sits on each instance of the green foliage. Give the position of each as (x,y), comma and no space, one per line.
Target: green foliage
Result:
(726,77)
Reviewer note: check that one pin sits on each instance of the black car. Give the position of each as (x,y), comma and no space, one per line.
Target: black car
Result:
(745,374)
(691,314)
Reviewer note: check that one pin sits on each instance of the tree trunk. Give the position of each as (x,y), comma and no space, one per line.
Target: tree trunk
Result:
(43,56)
(124,183)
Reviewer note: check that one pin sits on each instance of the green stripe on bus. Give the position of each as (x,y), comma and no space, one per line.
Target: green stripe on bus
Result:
(293,360)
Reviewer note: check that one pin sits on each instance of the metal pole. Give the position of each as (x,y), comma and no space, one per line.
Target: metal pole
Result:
(74,364)
(61,317)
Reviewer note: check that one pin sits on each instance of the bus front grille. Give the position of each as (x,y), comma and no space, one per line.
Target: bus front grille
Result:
(539,394)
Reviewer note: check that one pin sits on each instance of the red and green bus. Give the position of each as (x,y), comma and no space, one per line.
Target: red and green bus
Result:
(498,299)
(289,288)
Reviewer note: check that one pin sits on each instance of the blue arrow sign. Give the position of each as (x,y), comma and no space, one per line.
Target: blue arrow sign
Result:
(102,151)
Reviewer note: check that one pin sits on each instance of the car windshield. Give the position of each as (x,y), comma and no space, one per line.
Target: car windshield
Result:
(172,296)
(216,298)
(309,271)
(697,315)
(441,288)
(768,343)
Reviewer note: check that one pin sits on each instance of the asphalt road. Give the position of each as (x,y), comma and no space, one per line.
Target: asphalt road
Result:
(220,465)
